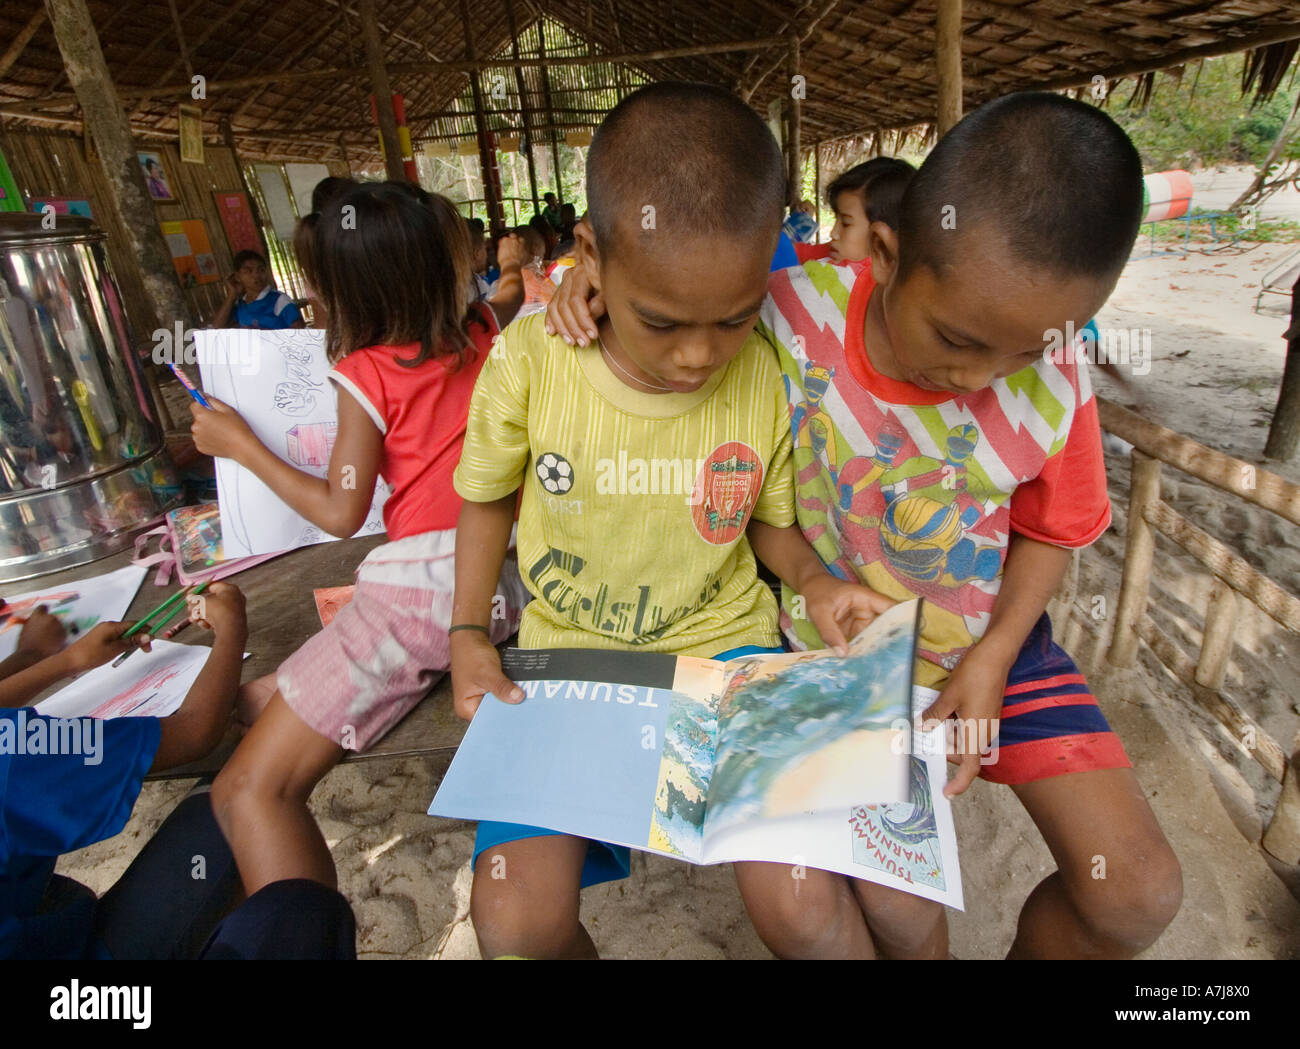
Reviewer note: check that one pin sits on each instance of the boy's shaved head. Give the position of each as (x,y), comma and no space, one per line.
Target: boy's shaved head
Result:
(697,154)
(1053,182)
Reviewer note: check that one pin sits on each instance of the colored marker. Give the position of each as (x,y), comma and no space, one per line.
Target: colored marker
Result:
(190,388)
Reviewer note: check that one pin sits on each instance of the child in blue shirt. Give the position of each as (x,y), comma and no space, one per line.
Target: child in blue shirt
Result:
(252,301)
(66,783)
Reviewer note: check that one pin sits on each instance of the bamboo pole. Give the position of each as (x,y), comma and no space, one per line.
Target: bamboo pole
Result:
(1237,476)
(1244,729)
(947,64)
(1226,564)
(1216,642)
(1282,838)
(106,121)
(20,41)
(1139,548)
(396,69)
(491,199)
(1052,29)
(817,186)
(795,182)
(228,136)
(382,91)
(525,111)
(550,113)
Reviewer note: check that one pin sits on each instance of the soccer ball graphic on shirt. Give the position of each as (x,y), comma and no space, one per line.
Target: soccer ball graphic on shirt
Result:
(555,473)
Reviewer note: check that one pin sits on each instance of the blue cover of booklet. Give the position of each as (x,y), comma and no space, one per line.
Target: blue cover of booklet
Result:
(803,758)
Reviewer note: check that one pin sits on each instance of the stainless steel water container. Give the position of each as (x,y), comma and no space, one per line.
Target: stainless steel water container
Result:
(82,463)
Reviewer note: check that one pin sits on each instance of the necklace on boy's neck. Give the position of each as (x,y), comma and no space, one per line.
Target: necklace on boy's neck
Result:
(640,382)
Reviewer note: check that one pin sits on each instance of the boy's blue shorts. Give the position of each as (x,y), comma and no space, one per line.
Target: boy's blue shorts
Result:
(605,862)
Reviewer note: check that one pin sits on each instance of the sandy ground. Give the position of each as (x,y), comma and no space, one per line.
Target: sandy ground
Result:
(1214,375)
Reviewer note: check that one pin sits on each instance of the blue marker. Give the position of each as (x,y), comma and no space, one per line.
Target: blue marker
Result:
(190,388)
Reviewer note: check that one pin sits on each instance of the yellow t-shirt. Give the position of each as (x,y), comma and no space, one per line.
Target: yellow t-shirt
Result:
(632,525)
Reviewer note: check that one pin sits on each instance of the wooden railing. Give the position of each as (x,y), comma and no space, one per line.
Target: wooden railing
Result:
(1153,447)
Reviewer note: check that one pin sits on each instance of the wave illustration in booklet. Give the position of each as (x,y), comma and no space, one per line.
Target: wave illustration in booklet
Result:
(802,758)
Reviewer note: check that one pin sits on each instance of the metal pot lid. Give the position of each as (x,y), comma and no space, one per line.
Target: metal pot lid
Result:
(18,227)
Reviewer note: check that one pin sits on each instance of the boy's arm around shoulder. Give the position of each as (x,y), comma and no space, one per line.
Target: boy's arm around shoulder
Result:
(838,609)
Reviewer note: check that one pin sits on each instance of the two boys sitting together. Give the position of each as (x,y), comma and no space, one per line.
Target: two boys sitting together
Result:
(903,435)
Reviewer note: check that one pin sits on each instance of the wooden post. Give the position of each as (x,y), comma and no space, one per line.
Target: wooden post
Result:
(1284,433)
(817,186)
(1139,549)
(491,200)
(106,120)
(1282,838)
(382,90)
(550,112)
(947,63)
(1216,642)
(20,41)
(796,117)
(525,112)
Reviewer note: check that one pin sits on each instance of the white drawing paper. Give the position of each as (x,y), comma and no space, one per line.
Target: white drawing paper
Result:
(149,684)
(79,604)
(277,381)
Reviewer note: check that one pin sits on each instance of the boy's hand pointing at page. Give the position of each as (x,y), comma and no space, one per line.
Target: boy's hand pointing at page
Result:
(840,610)
(476,671)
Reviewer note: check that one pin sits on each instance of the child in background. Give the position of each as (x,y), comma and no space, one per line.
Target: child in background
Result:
(677,374)
(941,452)
(801,226)
(392,279)
(252,301)
(868,192)
(537,287)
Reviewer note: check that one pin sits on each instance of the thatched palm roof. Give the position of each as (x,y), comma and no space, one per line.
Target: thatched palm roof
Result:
(869,65)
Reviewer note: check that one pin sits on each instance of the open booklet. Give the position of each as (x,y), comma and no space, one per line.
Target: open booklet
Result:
(803,758)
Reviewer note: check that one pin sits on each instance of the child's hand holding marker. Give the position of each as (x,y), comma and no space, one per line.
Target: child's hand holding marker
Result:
(102,642)
(220,430)
(190,388)
(144,630)
(42,635)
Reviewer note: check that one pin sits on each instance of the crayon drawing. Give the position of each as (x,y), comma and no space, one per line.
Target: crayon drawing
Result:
(79,604)
(149,684)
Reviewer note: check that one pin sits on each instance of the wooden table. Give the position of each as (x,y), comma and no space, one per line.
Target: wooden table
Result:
(281,616)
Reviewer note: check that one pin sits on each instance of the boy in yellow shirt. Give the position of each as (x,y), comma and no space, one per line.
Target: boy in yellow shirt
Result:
(654,464)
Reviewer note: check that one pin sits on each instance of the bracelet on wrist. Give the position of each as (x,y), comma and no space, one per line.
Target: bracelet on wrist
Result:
(469,626)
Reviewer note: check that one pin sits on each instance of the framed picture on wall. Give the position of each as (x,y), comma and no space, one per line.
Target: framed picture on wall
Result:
(190,122)
(237,221)
(155,177)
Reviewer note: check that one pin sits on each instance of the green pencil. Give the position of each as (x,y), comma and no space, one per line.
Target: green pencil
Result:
(165,605)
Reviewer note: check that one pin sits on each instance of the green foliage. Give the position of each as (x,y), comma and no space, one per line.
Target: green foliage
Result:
(1223,227)
(1202,119)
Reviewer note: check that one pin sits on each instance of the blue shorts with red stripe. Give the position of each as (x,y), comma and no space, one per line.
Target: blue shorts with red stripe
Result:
(1051,723)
